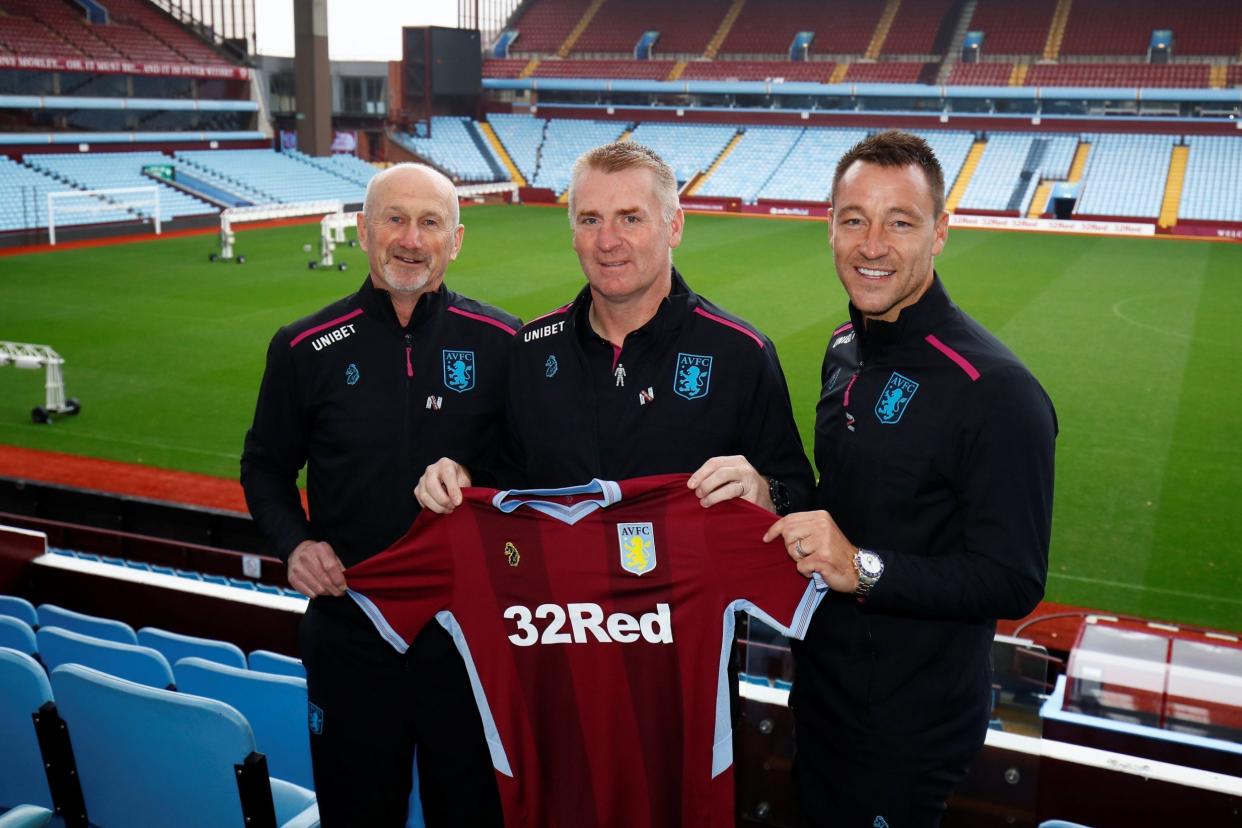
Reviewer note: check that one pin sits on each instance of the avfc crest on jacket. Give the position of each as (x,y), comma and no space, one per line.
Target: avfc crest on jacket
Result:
(638,551)
(458,370)
(895,398)
(693,376)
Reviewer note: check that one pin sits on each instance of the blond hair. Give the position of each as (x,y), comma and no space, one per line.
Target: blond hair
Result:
(626,155)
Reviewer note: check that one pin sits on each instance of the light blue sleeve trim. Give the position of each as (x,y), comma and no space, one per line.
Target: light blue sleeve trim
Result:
(609,494)
(722,735)
(377,618)
(500,761)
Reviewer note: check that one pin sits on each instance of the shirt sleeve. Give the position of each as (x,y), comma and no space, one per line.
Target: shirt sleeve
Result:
(770,435)
(275,450)
(1005,492)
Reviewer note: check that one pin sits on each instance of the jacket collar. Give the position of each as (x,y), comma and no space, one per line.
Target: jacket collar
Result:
(377,303)
(669,315)
(914,321)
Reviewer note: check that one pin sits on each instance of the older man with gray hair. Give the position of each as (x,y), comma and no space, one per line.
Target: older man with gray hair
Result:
(365,393)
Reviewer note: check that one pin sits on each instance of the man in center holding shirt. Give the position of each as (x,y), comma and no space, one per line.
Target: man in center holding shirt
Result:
(639,375)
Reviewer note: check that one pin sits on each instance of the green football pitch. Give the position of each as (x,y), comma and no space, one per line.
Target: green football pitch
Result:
(1135,340)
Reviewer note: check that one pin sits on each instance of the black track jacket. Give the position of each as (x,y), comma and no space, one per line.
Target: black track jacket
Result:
(697,382)
(935,449)
(367,405)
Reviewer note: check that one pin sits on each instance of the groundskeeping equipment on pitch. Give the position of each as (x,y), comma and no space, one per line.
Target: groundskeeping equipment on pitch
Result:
(331,233)
(33,357)
(115,204)
(264,212)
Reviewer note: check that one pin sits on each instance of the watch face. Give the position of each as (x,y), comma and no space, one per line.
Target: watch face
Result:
(870,564)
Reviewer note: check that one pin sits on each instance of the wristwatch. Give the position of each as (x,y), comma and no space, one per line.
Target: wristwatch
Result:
(779,495)
(869,567)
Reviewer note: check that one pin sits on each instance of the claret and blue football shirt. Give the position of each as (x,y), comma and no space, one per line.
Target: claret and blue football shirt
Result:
(595,622)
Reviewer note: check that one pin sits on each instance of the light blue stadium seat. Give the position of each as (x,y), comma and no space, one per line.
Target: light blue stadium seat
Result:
(157,758)
(17,635)
(175,646)
(1060,823)
(24,688)
(129,661)
(19,608)
(275,706)
(265,661)
(51,615)
(25,816)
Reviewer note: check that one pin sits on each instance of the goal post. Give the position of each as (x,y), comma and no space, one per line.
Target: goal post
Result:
(119,203)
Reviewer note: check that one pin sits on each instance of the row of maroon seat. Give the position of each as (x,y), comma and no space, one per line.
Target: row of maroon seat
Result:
(1094,27)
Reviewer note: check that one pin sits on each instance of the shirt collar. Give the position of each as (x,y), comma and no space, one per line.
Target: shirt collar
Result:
(378,304)
(913,322)
(668,316)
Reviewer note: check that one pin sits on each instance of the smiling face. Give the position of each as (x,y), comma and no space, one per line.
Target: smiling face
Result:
(409,229)
(623,240)
(884,235)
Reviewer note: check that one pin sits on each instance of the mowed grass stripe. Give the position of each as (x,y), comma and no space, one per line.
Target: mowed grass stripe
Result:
(1133,339)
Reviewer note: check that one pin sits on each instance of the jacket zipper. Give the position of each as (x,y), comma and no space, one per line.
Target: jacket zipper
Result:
(409,349)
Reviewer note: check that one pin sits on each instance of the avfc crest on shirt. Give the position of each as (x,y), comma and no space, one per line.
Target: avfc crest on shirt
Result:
(895,398)
(458,370)
(693,376)
(638,550)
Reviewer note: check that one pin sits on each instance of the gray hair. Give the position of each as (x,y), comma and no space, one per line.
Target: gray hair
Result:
(627,155)
(368,203)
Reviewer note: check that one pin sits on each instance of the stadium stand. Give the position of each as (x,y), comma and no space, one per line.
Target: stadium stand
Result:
(266,661)
(19,608)
(811,71)
(504,67)
(24,688)
(768,28)
(58,18)
(754,159)
(147,17)
(98,171)
(174,647)
(583,68)
(1124,27)
(147,756)
(457,147)
(1013,163)
(1125,175)
(688,148)
(545,24)
(544,150)
(951,147)
(685,27)
(275,177)
(920,27)
(806,174)
(1213,186)
(886,72)
(1013,28)
(1178,75)
(980,74)
(350,167)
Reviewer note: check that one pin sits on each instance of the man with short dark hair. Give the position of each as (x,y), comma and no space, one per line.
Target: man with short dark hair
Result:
(365,393)
(935,451)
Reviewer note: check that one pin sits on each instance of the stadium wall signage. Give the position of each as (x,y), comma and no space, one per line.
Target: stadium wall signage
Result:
(123,67)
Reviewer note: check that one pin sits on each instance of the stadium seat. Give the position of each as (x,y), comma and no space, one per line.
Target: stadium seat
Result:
(24,688)
(51,615)
(25,816)
(156,758)
(129,661)
(265,661)
(16,607)
(275,706)
(175,647)
(17,635)
(1060,823)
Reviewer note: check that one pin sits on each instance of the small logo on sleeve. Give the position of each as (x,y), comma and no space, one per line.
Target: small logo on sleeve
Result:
(351,374)
(693,376)
(895,398)
(638,550)
(458,370)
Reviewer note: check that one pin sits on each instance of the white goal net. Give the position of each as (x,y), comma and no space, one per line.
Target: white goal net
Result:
(99,206)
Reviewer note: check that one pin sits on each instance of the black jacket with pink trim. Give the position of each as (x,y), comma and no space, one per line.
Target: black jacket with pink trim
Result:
(366,405)
(935,449)
(693,383)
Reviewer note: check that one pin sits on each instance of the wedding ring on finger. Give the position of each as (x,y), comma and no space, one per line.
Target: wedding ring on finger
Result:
(798,548)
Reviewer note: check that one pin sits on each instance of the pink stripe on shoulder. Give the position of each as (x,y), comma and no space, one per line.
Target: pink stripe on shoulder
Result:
(728,324)
(843,328)
(478,317)
(554,312)
(962,362)
(318,328)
